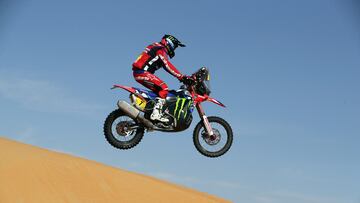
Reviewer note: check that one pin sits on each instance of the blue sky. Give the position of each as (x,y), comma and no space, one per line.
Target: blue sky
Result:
(288,72)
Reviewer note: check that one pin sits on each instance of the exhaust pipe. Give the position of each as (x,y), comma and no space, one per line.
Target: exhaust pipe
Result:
(133,113)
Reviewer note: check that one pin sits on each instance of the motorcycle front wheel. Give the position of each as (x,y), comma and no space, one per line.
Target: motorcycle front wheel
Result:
(217,144)
(121,131)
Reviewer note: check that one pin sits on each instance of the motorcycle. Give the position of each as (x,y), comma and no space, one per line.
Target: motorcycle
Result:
(125,127)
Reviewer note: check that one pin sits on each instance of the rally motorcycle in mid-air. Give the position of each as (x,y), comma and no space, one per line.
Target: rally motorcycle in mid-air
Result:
(125,126)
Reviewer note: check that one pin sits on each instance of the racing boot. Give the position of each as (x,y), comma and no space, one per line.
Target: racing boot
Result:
(157,114)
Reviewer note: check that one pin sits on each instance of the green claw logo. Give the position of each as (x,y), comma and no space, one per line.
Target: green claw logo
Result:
(177,109)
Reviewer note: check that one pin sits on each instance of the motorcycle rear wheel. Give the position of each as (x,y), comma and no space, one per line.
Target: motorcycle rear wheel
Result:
(115,134)
(200,135)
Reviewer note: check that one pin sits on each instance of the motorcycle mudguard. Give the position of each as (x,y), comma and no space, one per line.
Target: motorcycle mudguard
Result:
(139,92)
(129,89)
(216,102)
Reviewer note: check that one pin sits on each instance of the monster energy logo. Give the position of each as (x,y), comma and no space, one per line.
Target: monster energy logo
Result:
(177,109)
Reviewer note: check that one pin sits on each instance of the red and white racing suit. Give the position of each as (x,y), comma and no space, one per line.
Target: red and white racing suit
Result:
(151,59)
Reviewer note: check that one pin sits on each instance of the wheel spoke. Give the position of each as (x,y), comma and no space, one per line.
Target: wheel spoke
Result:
(217,144)
(120,129)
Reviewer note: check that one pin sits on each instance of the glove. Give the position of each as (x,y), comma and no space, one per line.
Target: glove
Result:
(187,80)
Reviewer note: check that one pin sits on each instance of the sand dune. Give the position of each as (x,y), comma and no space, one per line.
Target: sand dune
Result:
(31,174)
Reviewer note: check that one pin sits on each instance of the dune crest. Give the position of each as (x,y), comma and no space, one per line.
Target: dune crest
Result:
(31,174)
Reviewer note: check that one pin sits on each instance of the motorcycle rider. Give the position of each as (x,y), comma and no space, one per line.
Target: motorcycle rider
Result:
(154,57)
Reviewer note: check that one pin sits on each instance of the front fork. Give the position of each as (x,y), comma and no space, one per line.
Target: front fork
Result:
(207,125)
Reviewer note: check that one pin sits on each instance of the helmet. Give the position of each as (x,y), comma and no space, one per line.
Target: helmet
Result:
(171,43)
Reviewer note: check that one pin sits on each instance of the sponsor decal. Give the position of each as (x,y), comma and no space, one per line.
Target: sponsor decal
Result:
(180,107)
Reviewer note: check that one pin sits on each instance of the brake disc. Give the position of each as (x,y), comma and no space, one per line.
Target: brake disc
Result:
(123,129)
(211,139)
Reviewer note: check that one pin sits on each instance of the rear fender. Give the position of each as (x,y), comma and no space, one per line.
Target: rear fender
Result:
(129,89)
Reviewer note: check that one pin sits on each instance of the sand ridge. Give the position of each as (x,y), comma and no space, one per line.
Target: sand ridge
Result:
(32,174)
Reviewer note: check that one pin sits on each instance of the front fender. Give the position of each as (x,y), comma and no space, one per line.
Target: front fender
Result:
(216,102)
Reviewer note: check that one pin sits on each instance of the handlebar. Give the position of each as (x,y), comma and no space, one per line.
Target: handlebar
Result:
(188,80)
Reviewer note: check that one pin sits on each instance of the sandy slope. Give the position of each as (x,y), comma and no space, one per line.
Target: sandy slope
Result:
(32,174)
